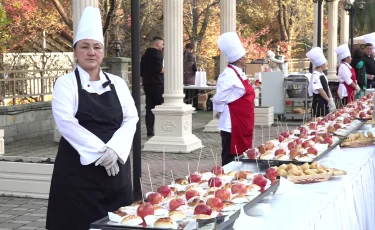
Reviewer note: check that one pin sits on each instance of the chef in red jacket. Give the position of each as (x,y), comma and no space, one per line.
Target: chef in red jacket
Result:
(234,100)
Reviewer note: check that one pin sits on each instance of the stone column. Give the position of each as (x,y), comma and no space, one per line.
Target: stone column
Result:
(173,119)
(344,24)
(315,33)
(227,24)
(78,7)
(332,39)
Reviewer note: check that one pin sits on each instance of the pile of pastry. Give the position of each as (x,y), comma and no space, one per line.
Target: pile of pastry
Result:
(355,140)
(292,170)
(201,195)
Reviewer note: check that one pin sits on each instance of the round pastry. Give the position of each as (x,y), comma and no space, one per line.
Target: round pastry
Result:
(177,215)
(228,206)
(195,201)
(253,187)
(227,186)
(238,199)
(231,173)
(165,222)
(202,217)
(202,181)
(281,157)
(241,175)
(181,193)
(173,189)
(120,213)
(191,186)
(132,220)
(137,203)
(181,181)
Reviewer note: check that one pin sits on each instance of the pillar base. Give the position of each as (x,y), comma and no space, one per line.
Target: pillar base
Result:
(331,76)
(173,130)
(211,127)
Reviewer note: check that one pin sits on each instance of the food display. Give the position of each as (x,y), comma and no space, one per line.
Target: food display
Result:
(214,195)
(307,173)
(356,140)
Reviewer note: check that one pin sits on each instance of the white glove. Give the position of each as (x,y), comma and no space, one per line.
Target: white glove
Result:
(113,171)
(109,158)
(331,105)
(357,89)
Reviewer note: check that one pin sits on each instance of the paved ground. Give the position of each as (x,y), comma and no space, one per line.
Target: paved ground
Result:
(21,213)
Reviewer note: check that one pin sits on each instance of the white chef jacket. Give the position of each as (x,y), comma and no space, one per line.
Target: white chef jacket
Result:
(65,106)
(345,75)
(315,84)
(228,89)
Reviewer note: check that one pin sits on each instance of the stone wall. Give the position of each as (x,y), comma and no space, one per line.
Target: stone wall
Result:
(26,121)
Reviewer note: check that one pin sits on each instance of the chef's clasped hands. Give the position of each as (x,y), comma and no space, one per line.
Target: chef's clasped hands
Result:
(109,161)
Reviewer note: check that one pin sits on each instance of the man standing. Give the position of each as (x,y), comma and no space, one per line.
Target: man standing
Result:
(190,67)
(368,58)
(234,100)
(152,73)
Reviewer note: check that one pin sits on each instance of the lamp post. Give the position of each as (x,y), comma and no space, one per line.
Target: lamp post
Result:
(319,38)
(352,7)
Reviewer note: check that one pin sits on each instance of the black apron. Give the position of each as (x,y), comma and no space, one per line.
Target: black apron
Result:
(319,104)
(81,194)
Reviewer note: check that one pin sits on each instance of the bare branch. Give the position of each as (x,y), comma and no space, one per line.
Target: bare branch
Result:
(67,20)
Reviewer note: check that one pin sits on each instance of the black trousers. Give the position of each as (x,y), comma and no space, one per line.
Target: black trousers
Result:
(154,97)
(191,97)
(226,157)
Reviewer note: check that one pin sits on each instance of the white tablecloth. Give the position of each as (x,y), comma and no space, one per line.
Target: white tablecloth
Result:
(341,203)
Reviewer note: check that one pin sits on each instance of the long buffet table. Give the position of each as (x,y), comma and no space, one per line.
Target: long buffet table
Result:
(346,202)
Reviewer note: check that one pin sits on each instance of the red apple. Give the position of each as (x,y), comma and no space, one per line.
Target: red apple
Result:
(194,178)
(298,141)
(321,123)
(331,129)
(280,151)
(262,149)
(303,130)
(292,145)
(154,198)
(202,209)
(164,190)
(347,120)
(270,145)
(239,188)
(223,194)
(337,126)
(145,209)
(175,203)
(217,170)
(214,182)
(306,144)
(337,113)
(281,138)
(260,180)
(369,112)
(215,203)
(252,153)
(312,150)
(362,114)
(328,140)
(285,134)
(325,135)
(191,193)
(272,173)
(312,125)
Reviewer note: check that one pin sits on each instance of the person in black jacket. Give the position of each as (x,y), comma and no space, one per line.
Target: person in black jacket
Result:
(152,73)
(360,69)
(368,58)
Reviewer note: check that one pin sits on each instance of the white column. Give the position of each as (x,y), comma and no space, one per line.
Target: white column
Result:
(227,24)
(344,24)
(315,33)
(332,39)
(173,119)
(78,7)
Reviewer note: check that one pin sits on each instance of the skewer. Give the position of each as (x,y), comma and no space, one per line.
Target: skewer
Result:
(287,127)
(269,166)
(199,159)
(252,143)
(213,155)
(256,160)
(269,132)
(235,146)
(163,166)
(143,198)
(189,171)
(149,175)
(172,176)
(262,134)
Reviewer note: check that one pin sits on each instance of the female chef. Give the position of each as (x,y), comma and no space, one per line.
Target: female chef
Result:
(234,100)
(97,118)
(323,102)
(348,81)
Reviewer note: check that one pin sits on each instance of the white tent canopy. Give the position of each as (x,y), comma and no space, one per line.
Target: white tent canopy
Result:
(360,39)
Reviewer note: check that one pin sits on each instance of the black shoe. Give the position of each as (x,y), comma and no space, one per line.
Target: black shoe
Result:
(149,137)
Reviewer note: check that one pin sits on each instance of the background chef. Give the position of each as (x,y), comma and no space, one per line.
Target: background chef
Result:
(97,118)
(323,102)
(234,100)
(346,74)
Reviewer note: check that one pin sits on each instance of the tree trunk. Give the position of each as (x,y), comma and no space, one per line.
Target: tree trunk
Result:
(67,20)
(281,17)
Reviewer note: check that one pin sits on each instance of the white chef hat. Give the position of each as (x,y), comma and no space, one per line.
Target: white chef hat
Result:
(342,51)
(270,53)
(230,44)
(90,26)
(316,56)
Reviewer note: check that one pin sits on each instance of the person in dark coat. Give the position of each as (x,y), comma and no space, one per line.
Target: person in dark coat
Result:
(96,116)
(190,68)
(360,69)
(368,58)
(152,73)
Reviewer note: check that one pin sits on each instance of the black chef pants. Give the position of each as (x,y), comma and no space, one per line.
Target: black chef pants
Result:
(154,97)
(226,157)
